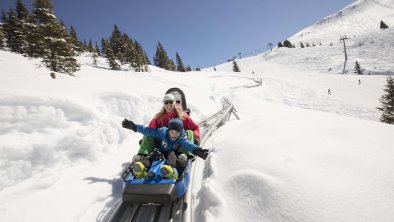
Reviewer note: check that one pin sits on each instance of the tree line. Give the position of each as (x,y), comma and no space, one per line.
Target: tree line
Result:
(40,35)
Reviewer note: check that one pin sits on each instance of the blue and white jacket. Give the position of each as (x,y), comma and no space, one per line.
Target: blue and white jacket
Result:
(167,144)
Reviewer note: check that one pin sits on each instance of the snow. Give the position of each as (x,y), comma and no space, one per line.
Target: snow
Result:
(296,154)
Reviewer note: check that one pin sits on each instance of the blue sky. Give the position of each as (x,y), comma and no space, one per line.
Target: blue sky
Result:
(203,32)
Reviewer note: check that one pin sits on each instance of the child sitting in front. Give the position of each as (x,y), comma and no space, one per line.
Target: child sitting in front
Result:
(172,139)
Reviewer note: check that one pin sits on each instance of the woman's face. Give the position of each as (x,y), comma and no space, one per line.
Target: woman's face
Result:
(178,104)
(169,106)
(174,134)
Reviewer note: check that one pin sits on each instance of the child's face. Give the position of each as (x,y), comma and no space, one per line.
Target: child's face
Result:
(174,134)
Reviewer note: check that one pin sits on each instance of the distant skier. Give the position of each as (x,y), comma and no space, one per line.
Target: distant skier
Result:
(359,82)
(329,91)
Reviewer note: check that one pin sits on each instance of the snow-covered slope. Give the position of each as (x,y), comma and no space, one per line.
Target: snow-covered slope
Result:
(297,153)
(366,43)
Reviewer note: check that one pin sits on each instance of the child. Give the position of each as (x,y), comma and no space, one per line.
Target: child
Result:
(172,139)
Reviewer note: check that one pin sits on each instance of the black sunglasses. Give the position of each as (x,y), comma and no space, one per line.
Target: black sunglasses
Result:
(168,102)
(178,101)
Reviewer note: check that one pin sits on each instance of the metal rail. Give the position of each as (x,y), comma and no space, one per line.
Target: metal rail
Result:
(180,209)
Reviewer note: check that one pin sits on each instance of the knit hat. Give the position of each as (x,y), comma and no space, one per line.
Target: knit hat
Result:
(168,97)
(177,96)
(175,124)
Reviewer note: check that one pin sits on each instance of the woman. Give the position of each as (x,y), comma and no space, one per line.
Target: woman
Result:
(161,119)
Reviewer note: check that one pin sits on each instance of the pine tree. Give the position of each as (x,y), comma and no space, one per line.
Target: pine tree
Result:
(104,44)
(357,69)
(179,64)
(302,45)
(97,49)
(280,44)
(142,59)
(235,67)
(76,43)
(85,44)
(287,44)
(172,65)
(118,45)
(54,44)
(1,36)
(10,21)
(94,58)
(109,55)
(383,25)
(90,47)
(161,58)
(387,102)
(130,53)
(15,27)
(24,25)
(147,59)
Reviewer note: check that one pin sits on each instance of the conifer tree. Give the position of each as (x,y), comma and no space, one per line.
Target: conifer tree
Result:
(110,55)
(287,44)
(142,62)
(280,44)
(357,69)
(94,58)
(24,25)
(54,43)
(147,59)
(1,36)
(130,52)
(104,44)
(15,27)
(179,64)
(84,45)
(117,44)
(188,68)
(161,58)
(387,102)
(172,65)
(37,37)
(10,23)
(76,43)
(90,47)
(383,25)
(235,67)
(302,45)
(97,49)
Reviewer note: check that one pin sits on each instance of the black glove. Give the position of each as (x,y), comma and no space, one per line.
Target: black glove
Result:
(200,152)
(129,125)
